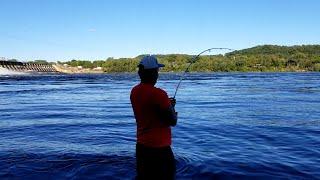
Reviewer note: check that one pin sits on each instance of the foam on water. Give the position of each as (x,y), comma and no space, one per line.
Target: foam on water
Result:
(7,72)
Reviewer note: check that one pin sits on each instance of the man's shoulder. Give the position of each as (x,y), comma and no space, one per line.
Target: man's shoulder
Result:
(134,89)
(160,91)
(152,89)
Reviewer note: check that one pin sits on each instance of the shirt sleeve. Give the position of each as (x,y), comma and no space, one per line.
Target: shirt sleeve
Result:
(162,99)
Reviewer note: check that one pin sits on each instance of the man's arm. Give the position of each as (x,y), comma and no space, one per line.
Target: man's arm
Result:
(170,114)
(165,107)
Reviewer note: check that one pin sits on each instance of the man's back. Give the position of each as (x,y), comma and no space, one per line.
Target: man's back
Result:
(148,104)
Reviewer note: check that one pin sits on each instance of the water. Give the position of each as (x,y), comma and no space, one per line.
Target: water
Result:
(231,126)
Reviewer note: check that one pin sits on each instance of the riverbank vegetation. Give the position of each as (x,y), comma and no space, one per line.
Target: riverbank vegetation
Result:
(267,58)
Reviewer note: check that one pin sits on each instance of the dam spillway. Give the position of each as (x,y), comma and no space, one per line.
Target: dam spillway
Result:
(27,67)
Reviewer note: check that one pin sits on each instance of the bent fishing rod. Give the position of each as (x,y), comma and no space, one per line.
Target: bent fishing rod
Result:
(193,60)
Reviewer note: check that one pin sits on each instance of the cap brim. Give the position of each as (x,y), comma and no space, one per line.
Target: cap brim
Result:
(161,65)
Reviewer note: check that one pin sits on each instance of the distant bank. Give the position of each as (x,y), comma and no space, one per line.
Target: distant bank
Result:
(266,58)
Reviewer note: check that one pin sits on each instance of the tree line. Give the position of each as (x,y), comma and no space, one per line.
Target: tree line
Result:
(266,58)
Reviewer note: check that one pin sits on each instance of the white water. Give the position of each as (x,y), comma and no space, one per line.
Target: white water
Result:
(4,71)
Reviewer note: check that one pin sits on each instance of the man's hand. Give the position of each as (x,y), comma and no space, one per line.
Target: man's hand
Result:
(173,102)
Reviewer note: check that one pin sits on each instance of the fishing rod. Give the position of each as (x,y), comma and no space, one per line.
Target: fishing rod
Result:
(193,60)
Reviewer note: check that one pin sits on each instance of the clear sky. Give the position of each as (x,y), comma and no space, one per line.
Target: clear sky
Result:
(97,29)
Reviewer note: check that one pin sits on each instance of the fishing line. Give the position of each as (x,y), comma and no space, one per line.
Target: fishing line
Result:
(193,60)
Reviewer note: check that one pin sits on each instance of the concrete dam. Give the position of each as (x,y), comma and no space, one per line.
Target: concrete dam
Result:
(27,67)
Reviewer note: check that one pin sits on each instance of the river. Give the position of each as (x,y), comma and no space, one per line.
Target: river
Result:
(231,125)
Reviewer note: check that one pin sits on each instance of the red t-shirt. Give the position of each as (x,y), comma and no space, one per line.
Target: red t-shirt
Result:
(147,102)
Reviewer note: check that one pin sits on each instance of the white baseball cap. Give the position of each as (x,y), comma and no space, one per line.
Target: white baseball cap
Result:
(150,62)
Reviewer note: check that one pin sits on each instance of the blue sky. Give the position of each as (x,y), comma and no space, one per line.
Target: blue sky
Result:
(97,29)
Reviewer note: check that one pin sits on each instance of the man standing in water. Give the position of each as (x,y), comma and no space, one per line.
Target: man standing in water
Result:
(155,114)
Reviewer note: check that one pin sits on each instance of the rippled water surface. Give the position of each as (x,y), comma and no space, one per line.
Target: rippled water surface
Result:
(231,125)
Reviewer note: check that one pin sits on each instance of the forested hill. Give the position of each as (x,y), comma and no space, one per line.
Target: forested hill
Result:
(267,58)
(283,50)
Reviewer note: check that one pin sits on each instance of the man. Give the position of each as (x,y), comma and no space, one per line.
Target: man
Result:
(155,114)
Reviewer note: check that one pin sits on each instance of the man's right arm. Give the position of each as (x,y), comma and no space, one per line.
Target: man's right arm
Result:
(171,114)
(166,108)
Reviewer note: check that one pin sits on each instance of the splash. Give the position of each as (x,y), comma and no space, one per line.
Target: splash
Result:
(6,72)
